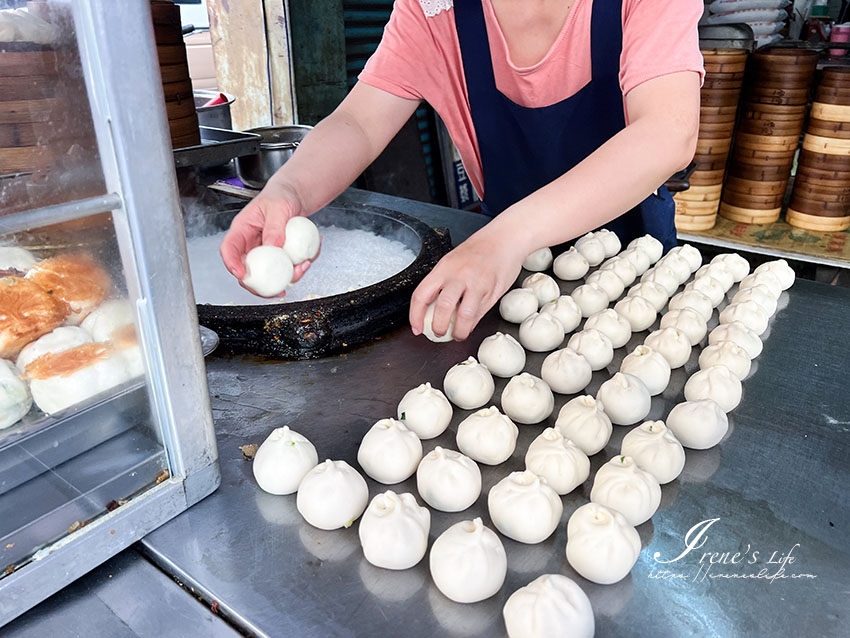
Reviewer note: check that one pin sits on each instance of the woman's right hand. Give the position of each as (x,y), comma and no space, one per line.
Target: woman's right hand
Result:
(261,223)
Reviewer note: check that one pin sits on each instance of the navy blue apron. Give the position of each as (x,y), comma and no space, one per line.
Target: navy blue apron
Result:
(523,149)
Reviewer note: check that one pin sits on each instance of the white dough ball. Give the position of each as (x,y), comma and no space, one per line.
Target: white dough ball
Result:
(524,508)
(425,411)
(691,254)
(678,264)
(761,294)
(650,245)
(590,299)
(469,385)
(612,325)
(726,353)
(566,310)
(558,460)
(694,300)
(672,344)
(15,258)
(608,281)
(282,460)
(59,340)
(570,265)
(688,321)
(748,313)
(710,287)
(638,311)
(656,450)
(602,545)
(698,425)
(302,239)
(764,278)
(625,399)
(468,562)
(662,275)
(637,258)
(447,480)
(781,270)
(15,400)
(541,332)
(539,260)
(737,265)
(566,371)
(623,486)
(332,495)
(268,270)
(551,606)
(719,272)
(527,399)
(610,241)
(428,329)
(389,452)
(487,436)
(717,383)
(518,304)
(649,366)
(394,531)
(107,318)
(583,421)
(502,355)
(654,293)
(543,286)
(739,334)
(622,268)
(592,248)
(594,346)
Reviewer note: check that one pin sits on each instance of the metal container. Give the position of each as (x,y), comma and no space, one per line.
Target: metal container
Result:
(217,115)
(277,146)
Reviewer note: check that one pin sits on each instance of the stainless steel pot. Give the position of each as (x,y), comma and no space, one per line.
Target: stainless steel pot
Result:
(277,146)
(216,116)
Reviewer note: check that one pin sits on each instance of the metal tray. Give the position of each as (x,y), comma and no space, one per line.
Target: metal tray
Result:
(218,146)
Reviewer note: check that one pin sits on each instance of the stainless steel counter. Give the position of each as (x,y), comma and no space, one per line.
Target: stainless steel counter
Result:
(778,483)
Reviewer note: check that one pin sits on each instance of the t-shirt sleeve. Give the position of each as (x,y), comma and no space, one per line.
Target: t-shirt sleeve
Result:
(659,38)
(405,48)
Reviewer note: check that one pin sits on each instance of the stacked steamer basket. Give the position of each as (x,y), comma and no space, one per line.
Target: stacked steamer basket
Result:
(696,208)
(820,200)
(174,69)
(776,92)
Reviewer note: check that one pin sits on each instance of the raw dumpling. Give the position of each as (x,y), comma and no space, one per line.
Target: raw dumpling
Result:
(610,241)
(469,385)
(590,299)
(737,265)
(592,248)
(487,436)
(107,318)
(551,606)
(688,321)
(710,287)
(652,292)
(624,398)
(61,339)
(523,507)
(302,239)
(717,383)
(570,265)
(691,253)
(425,411)
(583,421)
(637,258)
(566,310)
(394,531)
(780,269)
(282,460)
(15,400)
(763,278)
(761,294)
(538,260)
(726,353)
(678,264)
(558,460)
(332,495)
(612,325)
(389,452)
(720,272)
(566,371)
(621,485)
(428,328)
(673,344)
(638,311)
(268,270)
(650,367)
(447,480)
(502,355)
(602,545)
(694,300)
(608,281)
(650,245)
(663,276)
(739,334)
(527,399)
(698,425)
(541,332)
(543,286)
(622,268)
(656,450)
(518,304)
(593,346)
(468,562)
(748,313)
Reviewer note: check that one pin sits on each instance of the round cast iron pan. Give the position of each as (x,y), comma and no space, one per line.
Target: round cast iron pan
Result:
(319,327)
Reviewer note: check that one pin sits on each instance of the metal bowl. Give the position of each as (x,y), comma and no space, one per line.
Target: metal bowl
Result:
(277,146)
(217,115)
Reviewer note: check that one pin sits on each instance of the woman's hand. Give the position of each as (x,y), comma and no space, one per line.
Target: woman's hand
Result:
(474,275)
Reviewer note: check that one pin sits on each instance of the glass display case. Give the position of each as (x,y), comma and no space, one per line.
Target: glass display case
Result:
(105,425)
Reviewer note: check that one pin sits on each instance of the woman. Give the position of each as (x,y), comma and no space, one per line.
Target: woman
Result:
(566,114)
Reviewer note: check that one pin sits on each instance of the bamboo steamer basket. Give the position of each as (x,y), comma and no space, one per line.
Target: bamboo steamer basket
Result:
(748,215)
(695,223)
(706,178)
(817,223)
(746,200)
(754,187)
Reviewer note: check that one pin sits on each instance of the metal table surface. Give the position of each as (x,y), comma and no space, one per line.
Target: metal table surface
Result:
(777,484)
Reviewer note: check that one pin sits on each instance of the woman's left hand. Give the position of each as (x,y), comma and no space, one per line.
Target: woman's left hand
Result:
(474,275)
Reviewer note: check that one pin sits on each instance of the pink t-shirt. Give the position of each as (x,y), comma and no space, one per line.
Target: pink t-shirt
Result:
(419,58)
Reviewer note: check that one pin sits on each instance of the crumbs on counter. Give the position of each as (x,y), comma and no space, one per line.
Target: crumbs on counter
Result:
(249,451)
